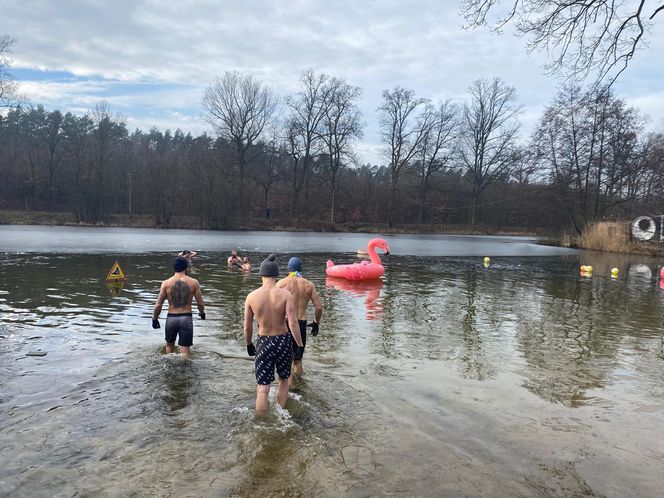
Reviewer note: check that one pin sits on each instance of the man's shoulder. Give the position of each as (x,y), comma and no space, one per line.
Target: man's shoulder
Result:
(282,291)
(254,292)
(308,283)
(191,280)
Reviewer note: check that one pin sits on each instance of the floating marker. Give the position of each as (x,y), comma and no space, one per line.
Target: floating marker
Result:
(614,272)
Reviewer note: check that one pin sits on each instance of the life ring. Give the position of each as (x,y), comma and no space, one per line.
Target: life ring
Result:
(641,233)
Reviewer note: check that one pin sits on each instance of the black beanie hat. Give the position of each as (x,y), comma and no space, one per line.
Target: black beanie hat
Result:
(269,267)
(180,264)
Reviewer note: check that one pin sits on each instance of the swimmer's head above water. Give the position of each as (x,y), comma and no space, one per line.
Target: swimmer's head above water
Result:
(180,264)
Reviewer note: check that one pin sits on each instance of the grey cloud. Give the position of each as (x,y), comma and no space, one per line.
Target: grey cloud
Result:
(373,44)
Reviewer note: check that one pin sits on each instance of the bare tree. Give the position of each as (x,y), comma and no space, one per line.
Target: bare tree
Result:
(403,131)
(341,125)
(596,36)
(488,134)
(307,112)
(588,143)
(438,149)
(239,107)
(8,86)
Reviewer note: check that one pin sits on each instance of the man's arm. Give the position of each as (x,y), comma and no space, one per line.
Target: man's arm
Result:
(160,302)
(293,324)
(318,306)
(198,295)
(248,322)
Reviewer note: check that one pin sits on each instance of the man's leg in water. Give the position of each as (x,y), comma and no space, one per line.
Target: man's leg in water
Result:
(261,397)
(184,351)
(282,391)
(298,369)
(170,346)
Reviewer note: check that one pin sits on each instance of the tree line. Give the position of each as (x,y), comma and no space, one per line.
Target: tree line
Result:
(293,160)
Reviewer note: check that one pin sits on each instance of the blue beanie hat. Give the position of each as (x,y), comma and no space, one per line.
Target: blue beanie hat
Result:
(294,264)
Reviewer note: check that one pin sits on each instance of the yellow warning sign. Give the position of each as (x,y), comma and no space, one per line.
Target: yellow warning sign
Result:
(116,273)
(116,287)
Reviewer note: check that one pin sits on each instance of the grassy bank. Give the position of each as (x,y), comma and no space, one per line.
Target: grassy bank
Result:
(9,217)
(613,236)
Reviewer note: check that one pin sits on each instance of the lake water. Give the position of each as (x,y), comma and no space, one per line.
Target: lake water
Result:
(444,379)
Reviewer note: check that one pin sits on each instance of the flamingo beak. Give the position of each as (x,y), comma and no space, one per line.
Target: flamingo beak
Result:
(387,252)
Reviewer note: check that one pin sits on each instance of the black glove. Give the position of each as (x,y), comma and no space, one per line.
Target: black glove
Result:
(202,315)
(155,324)
(251,349)
(299,351)
(314,328)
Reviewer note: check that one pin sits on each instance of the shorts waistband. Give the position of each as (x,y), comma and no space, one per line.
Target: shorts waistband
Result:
(277,335)
(179,314)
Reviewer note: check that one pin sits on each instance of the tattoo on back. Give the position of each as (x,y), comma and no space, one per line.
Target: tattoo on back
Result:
(180,294)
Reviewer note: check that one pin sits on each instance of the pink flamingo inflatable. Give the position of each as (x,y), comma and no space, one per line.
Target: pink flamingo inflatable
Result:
(364,270)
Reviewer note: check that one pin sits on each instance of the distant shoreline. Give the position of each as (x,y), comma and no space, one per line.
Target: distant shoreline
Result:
(12,217)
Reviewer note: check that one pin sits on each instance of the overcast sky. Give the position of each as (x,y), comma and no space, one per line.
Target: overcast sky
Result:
(152,59)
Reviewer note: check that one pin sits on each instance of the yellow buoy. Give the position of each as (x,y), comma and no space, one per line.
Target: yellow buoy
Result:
(614,272)
(589,269)
(487,260)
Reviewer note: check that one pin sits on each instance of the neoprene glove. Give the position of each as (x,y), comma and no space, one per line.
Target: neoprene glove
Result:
(202,315)
(251,349)
(155,324)
(314,328)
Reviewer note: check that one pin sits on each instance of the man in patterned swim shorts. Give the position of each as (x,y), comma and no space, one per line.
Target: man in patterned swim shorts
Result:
(272,307)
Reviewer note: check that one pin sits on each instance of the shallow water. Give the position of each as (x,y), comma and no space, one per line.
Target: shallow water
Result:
(445,379)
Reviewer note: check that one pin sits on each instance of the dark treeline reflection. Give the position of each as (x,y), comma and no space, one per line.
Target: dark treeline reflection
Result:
(464,163)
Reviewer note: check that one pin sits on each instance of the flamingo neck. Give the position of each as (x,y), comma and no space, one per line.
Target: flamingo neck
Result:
(371,249)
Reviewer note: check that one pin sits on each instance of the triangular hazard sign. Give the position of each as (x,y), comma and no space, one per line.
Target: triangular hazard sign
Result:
(116,272)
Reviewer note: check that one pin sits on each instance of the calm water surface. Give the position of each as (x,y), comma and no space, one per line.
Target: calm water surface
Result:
(444,379)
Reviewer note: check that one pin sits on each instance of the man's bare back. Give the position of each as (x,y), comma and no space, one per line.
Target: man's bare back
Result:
(180,291)
(269,305)
(303,291)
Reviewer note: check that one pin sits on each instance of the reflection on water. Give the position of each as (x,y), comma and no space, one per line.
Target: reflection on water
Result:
(367,289)
(445,377)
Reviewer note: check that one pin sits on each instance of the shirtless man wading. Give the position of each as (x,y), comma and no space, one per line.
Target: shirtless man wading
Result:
(303,291)
(272,307)
(180,290)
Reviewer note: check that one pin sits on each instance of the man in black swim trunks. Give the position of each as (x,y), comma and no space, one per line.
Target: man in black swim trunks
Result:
(272,307)
(180,290)
(303,292)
